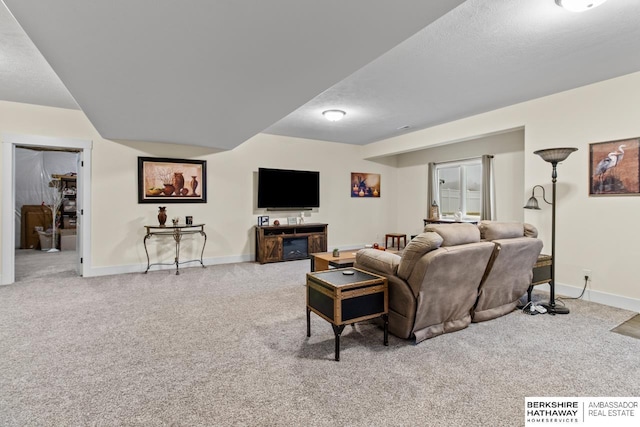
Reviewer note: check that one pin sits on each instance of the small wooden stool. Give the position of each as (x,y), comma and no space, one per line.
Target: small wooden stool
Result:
(395,239)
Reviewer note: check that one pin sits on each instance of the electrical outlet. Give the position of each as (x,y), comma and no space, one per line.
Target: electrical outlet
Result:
(586,274)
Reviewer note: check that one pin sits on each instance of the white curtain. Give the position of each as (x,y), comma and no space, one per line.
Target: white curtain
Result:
(431,191)
(488,209)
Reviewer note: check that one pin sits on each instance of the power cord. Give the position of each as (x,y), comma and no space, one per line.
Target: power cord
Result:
(586,281)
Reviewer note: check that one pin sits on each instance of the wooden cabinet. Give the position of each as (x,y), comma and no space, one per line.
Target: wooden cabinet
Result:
(33,216)
(317,243)
(289,242)
(271,249)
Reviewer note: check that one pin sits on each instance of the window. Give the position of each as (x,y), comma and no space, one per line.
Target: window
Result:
(458,187)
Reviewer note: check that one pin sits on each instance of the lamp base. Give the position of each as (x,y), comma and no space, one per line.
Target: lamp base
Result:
(555,309)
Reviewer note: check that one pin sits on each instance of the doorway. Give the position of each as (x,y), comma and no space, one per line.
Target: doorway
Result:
(81,258)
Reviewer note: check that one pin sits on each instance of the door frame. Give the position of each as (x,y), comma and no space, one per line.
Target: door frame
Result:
(9,143)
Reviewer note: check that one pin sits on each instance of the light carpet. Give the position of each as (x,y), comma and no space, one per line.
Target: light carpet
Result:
(227,346)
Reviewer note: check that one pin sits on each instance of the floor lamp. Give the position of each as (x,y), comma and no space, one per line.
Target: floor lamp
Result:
(553,156)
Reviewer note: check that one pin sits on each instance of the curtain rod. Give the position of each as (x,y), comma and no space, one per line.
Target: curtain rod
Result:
(463,160)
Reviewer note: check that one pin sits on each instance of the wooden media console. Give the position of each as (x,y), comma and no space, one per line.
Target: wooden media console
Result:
(275,243)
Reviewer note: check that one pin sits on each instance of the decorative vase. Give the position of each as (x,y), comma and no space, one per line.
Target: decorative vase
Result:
(434,212)
(168,189)
(336,253)
(184,191)
(162,215)
(361,193)
(194,185)
(178,183)
(375,192)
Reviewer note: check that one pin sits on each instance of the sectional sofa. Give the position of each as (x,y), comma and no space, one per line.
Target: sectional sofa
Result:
(455,274)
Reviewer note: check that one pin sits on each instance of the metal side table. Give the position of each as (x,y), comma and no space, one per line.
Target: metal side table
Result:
(177,231)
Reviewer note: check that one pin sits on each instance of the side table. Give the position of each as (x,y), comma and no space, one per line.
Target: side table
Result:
(342,299)
(395,239)
(541,273)
(176,231)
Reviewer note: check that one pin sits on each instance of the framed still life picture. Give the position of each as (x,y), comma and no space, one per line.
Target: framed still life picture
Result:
(162,180)
(365,184)
(614,168)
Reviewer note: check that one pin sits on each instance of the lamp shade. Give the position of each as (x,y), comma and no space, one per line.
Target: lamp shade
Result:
(532,203)
(555,155)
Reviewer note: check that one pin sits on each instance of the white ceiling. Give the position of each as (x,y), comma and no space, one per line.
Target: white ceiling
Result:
(215,73)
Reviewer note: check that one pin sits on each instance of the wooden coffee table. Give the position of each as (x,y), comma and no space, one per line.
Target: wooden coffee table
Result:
(342,299)
(323,260)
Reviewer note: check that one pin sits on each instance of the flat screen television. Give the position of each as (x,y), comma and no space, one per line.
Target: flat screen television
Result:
(288,189)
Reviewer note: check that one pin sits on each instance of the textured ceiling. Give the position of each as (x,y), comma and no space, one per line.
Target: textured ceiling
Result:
(210,73)
(483,55)
(215,73)
(25,76)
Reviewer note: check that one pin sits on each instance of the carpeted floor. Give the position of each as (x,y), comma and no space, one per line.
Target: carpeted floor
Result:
(227,346)
(32,264)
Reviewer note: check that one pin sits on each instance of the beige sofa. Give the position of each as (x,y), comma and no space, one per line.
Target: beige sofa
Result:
(434,286)
(510,269)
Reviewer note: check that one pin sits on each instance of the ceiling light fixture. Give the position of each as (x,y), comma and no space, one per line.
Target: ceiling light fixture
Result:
(579,5)
(334,115)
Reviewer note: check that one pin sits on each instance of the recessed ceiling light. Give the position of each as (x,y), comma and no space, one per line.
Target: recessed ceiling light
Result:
(579,5)
(333,115)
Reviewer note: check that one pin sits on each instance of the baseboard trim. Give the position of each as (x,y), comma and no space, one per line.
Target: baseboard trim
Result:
(600,297)
(140,268)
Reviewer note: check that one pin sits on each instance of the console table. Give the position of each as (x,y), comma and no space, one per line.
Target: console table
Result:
(175,231)
(447,221)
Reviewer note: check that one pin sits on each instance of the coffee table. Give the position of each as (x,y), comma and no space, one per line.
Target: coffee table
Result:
(321,261)
(342,299)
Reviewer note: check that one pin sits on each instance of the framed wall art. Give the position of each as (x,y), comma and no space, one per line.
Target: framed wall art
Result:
(614,168)
(365,184)
(162,180)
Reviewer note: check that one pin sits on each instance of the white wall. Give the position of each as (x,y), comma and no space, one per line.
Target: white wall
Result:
(230,214)
(596,233)
(508,173)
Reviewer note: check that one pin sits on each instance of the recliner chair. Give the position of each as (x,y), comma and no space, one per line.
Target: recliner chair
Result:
(510,269)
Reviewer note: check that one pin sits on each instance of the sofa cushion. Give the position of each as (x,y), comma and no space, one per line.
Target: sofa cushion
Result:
(417,247)
(493,230)
(455,234)
(530,230)
(377,261)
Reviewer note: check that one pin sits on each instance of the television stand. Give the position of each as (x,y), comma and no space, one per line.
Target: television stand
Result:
(275,243)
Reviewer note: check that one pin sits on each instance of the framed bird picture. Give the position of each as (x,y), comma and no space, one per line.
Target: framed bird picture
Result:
(614,168)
